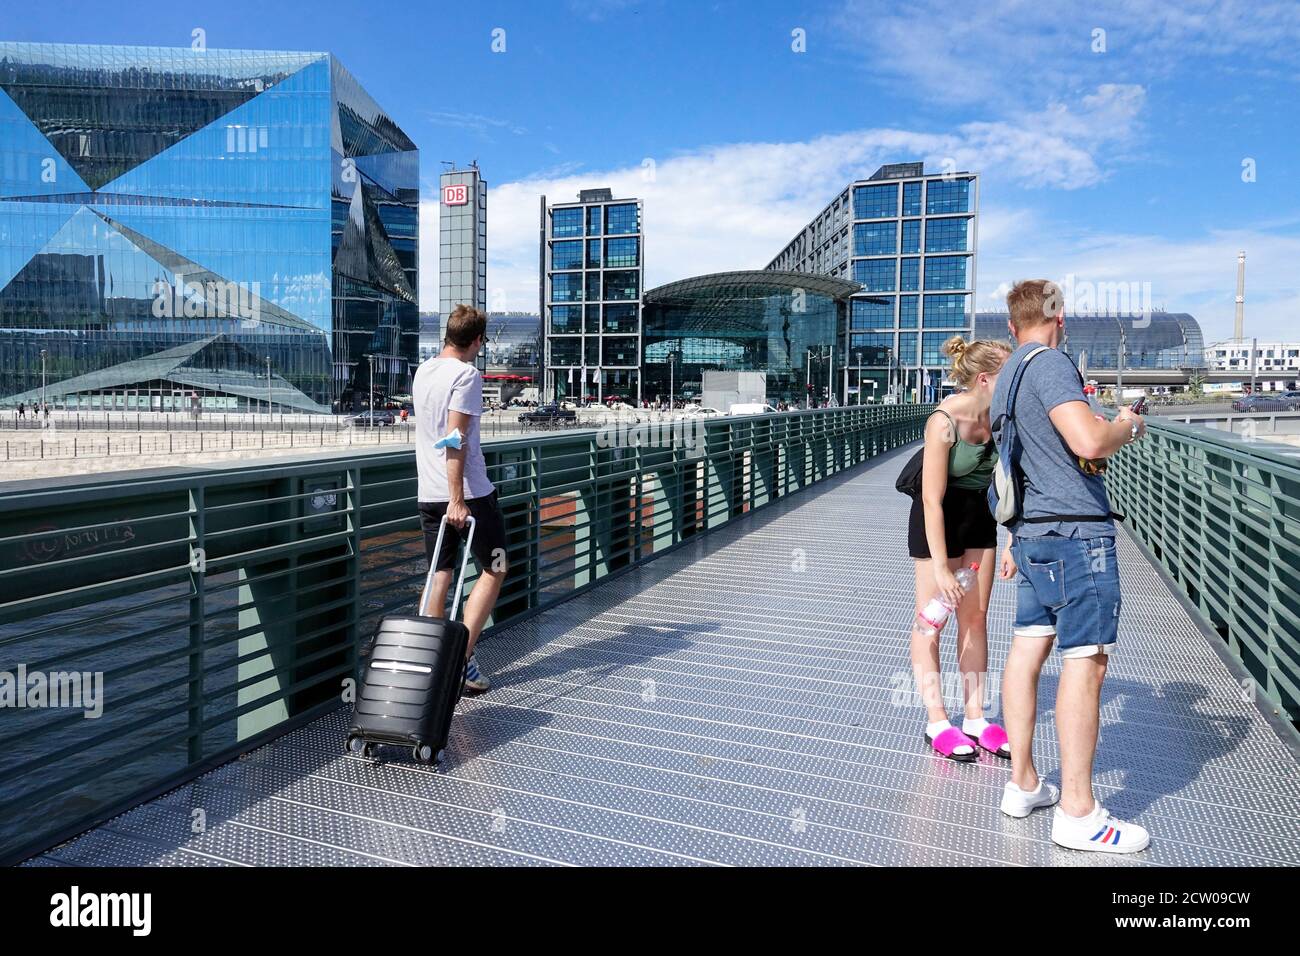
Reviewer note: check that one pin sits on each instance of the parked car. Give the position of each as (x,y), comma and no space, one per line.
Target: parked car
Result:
(750,408)
(371,419)
(701,410)
(1266,403)
(549,414)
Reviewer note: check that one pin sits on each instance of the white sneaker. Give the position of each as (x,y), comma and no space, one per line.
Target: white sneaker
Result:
(1098,831)
(1021,803)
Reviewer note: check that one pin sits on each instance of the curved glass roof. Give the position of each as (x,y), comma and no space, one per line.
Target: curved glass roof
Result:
(1155,340)
(749,284)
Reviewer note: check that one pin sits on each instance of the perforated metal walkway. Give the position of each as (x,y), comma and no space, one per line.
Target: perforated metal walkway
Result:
(733,703)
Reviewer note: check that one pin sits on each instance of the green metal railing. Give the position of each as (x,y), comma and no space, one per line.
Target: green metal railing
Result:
(220,608)
(1221,514)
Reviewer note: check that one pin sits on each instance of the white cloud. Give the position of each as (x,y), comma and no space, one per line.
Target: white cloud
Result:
(736,206)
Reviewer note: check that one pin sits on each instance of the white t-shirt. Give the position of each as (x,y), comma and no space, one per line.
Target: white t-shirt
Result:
(442,386)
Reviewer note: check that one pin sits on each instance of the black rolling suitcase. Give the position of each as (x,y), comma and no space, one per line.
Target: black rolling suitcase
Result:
(414,678)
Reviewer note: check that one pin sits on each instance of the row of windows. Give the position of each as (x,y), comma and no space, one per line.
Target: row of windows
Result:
(880,348)
(620,219)
(881,200)
(940,312)
(618,254)
(595,350)
(571,287)
(621,317)
(941,272)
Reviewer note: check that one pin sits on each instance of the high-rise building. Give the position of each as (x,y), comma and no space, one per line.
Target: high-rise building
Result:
(462,243)
(908,238)
(591,269)
(215,223)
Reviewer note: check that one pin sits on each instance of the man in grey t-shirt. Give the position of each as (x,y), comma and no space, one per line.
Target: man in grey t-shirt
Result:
(453,479)
(1067,588)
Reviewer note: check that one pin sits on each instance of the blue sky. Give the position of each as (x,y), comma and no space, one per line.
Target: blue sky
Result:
(1108,158)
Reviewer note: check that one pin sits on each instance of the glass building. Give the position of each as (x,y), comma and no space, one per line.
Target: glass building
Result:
(783,324)
(1169,342)
(592,270)
(227,224)
(908,238)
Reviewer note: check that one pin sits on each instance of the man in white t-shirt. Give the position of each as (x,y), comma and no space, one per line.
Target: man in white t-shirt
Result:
(453,479)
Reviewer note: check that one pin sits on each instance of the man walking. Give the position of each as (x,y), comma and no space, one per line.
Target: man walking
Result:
(1068,587)
(453,480)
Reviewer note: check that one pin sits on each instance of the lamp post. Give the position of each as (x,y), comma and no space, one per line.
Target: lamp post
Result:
(43,354)
(371,357)
(672,362)
(268,387)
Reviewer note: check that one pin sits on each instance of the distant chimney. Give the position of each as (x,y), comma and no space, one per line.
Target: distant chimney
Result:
(1240,333)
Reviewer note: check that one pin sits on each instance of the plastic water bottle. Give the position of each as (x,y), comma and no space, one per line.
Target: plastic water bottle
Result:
(934,616)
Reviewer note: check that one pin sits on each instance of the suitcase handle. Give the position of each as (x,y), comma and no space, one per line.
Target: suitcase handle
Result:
(433,568)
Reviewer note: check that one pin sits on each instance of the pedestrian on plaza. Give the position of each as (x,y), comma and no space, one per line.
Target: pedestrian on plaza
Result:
(1068,589)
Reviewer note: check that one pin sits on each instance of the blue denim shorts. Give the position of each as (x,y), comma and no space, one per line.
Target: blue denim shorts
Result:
(1068,588)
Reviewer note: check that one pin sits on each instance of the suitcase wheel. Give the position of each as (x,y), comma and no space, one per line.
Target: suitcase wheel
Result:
(358,746)
(425,754)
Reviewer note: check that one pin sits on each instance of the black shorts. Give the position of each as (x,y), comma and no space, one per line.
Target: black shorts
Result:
(489,533)
(968,524)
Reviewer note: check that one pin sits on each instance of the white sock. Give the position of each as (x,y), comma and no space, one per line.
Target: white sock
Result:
(938,727)
(973,727)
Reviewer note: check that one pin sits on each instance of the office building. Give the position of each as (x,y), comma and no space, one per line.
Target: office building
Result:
(217,223)
(462,243)
(1271,359)
(591,270)
(908,238)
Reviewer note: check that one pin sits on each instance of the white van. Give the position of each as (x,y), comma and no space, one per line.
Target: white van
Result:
(752,408)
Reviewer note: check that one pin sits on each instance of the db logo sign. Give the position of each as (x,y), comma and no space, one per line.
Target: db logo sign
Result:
(457,195)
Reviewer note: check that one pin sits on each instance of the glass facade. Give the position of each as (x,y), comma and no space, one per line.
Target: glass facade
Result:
(179,220)
(1157,341)
(593,350)
(908,238)
(781,324)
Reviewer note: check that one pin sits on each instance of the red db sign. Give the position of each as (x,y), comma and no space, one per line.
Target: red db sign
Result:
(455,195)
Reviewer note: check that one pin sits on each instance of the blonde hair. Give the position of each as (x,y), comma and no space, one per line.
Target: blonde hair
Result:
(1032,302)
(969,359)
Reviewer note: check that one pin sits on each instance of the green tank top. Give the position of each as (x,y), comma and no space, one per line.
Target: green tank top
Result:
(970,466)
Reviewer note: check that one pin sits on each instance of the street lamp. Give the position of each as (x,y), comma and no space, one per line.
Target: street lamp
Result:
(43,354)
(672,361)
(268,386)
(371,356)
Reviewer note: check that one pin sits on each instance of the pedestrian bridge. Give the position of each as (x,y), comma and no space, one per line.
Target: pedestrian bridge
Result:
(700,658)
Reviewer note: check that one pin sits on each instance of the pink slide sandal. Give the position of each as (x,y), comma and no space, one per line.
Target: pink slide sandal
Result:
(949,740)
(994,740)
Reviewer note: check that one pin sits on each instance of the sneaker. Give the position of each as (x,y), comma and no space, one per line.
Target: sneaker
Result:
(1098,831)
(475,679)
(1021,803)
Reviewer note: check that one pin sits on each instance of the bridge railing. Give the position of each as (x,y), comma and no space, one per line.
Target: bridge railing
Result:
(153,626)
(1221,514)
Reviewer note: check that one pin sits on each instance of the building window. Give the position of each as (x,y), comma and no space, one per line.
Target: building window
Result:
(620,350)
(566,287)
(622,253)
(910,278)
(566,255)
(876,275)
(566,223)
(871,348)
(620,318)
(593,287)
(593,253)
(946,312)
(909,312)
(951,195)
(945,272)
(875,238)
(875,202)
(593,220)
(907,351)
(946,235)
(621,219)
(911,199)
(932,347)
(566,351)
(872,312)
(566,318)
(622,285)
(911,235)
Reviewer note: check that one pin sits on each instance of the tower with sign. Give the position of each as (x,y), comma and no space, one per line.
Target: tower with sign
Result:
(462,244)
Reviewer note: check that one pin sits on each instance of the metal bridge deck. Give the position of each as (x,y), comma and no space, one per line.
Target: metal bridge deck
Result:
(722,706)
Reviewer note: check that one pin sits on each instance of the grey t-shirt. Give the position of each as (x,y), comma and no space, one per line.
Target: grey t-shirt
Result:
(1054,482)
(444,385)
